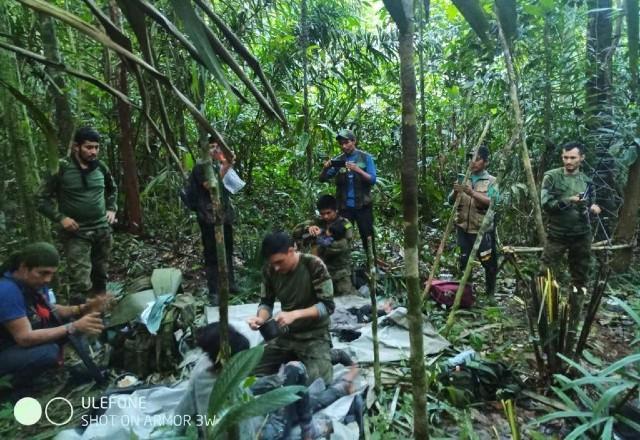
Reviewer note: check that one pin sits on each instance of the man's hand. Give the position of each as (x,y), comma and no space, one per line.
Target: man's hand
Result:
(255,322)
(352,166)
(99,303)
(90,324)
(111,217)
(69,224)
(327,164)
(595,209)
(459,187)
(286,318)
(314,230)
(575,199)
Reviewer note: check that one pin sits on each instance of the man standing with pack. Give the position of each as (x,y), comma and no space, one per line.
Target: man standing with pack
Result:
(207,219)
(475,199)
(302,284)
(567,199)
(333,249)
(81,197)
(355,174)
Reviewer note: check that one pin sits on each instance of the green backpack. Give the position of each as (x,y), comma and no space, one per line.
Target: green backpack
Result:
(478,380)
(139,352)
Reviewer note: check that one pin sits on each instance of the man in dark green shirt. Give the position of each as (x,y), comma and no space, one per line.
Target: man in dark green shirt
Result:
(567,199)
(81,197)
(303,286)
(334,250)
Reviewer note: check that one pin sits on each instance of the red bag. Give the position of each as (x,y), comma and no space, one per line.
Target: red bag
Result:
(444,292)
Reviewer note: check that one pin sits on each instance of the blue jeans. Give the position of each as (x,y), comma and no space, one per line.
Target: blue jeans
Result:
(25,363)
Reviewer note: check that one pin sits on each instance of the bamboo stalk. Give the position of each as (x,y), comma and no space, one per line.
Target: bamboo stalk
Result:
(374,316)
(594,247)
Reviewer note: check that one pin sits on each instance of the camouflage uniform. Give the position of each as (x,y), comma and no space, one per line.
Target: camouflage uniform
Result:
(336,256)
(85,196)
(567,223)
(307,340)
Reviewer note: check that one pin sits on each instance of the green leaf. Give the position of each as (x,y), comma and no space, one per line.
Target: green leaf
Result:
(627,308)
(607,398)
(564,415)
(621,364)
(580,430)
(166,280)
(234,372)
(194,28)
(261,405)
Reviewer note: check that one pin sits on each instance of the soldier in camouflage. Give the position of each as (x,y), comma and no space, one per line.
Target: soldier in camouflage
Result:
(81,197)
(331,237)
(303,286)
(567,200)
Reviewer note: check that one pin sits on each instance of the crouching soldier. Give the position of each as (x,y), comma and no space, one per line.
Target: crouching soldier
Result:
(331,237)
(30,335)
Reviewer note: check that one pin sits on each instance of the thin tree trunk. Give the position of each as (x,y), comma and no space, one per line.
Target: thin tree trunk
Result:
(598,98)
(547,115)
(402,14)
(524,151)
(132,207)
(628,217)
(424,19)
(304,43)
(63,114)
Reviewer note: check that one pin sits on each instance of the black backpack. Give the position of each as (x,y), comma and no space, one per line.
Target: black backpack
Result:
(189,193)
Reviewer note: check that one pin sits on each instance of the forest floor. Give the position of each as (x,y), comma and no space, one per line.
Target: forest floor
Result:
(496,328)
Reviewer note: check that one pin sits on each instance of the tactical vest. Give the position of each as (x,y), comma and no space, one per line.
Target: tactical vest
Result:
(470,214)
(361,187)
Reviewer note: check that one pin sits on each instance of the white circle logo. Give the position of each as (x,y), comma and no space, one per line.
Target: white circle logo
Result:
(46,411)
(27,411)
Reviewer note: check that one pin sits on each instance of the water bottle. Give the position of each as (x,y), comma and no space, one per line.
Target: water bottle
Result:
(51,296)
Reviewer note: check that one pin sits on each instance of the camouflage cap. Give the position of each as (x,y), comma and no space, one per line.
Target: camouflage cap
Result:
(345,134)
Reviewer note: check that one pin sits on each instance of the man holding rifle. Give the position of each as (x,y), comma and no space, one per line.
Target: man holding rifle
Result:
(34,328)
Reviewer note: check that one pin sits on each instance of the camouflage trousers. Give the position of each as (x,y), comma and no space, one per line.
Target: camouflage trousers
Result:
(342,284)
(314,353)
(579,257)
(87,254)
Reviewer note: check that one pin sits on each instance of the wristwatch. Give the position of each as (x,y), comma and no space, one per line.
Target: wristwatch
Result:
(70,328)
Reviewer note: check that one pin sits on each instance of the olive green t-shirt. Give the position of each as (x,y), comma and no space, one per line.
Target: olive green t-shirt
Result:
(306,285)
(565,218)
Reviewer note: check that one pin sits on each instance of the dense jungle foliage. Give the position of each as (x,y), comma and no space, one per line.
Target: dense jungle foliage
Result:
(277,79)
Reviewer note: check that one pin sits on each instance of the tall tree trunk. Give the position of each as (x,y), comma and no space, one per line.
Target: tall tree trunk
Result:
(628,217)
(402,14)
(547,112)
(304,43)
(424,19)
(132,207)
(57,92)
(598,98)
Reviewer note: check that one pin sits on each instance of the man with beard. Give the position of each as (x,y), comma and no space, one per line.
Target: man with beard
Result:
(567,199)
(81,198)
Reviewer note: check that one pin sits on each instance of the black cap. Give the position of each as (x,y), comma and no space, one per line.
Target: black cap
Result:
(345,134)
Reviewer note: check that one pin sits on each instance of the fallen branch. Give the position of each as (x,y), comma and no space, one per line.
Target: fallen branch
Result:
(594,247)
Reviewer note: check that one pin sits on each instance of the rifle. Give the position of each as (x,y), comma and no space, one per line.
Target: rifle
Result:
(76,342)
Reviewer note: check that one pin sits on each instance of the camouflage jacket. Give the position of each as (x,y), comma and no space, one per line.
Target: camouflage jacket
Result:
(564,218)
(337,255)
